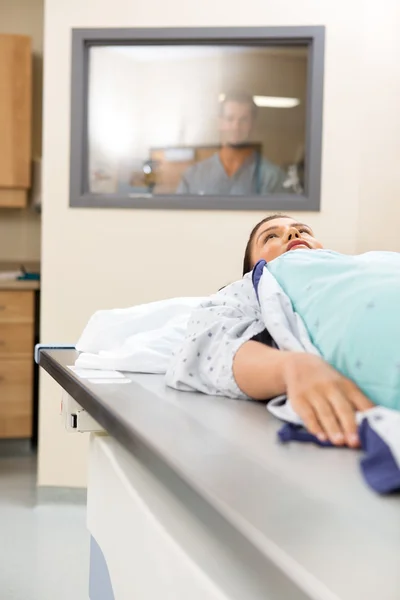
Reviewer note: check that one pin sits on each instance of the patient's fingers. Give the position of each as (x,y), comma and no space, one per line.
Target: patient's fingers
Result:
(324,399)
(345,414)
(328,419)
(305,411)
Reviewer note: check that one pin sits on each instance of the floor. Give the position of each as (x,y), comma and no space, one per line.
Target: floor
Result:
(44,549)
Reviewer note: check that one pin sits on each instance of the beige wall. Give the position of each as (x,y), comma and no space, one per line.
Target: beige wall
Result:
(20,229)
(379,160)
(102,258)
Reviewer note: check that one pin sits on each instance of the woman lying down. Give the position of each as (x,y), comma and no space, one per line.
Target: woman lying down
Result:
(333,348)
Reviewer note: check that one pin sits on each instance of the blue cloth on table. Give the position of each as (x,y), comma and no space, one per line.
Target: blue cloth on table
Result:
(379,436)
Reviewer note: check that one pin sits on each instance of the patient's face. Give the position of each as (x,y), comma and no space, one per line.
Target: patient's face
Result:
(278,236)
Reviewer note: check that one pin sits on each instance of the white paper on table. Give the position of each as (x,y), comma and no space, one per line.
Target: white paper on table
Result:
(96,373)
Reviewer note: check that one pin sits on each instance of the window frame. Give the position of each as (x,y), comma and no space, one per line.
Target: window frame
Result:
(84,39)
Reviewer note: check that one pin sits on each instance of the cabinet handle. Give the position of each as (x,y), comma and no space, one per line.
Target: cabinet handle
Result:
(2,342)
(2,307)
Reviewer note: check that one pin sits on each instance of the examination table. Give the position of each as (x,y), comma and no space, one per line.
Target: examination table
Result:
(192,497)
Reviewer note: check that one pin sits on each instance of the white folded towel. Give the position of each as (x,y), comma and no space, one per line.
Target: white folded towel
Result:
(138,339)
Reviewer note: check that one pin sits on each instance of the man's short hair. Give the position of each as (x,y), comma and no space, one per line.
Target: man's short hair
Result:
(241,98)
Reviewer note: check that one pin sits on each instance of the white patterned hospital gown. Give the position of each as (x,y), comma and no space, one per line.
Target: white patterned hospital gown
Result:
(222,324)
(215,332)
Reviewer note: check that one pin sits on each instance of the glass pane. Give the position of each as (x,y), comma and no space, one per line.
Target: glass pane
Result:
(197,120)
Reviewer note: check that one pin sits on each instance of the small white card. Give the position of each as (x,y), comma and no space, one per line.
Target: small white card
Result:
(96,373)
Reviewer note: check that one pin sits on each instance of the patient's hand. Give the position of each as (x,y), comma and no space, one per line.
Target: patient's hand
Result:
(324,399)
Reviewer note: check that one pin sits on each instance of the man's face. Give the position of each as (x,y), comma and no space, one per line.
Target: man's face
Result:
(235,123)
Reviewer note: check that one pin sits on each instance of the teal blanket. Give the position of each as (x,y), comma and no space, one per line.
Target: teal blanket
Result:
(351,308)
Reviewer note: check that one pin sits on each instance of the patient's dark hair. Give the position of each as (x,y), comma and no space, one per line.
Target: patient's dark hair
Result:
(247,263)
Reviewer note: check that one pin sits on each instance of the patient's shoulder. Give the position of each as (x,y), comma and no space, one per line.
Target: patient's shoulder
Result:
(238,293)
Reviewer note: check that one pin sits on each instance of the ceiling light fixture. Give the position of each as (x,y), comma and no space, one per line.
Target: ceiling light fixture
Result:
(271,101)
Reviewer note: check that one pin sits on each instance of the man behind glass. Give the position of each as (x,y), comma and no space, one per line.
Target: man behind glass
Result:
(237,169)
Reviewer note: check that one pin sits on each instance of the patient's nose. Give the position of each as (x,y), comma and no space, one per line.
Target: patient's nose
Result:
(293,234)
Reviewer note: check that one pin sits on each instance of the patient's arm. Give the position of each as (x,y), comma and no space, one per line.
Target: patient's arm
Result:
(324,399)
(219,357)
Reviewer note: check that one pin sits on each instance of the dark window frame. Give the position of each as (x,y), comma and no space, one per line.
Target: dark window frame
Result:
(84,39)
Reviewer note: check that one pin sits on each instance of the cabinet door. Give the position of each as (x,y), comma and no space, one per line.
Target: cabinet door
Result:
(17,306)
(16,363)
(16,379)
(16,339)
(15,117)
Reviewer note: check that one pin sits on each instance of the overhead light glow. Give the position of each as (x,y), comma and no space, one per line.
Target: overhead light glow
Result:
(271,101)
(275,102)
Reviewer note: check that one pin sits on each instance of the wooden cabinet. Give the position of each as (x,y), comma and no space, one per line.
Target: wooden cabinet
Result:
(17,321)
(15,119)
